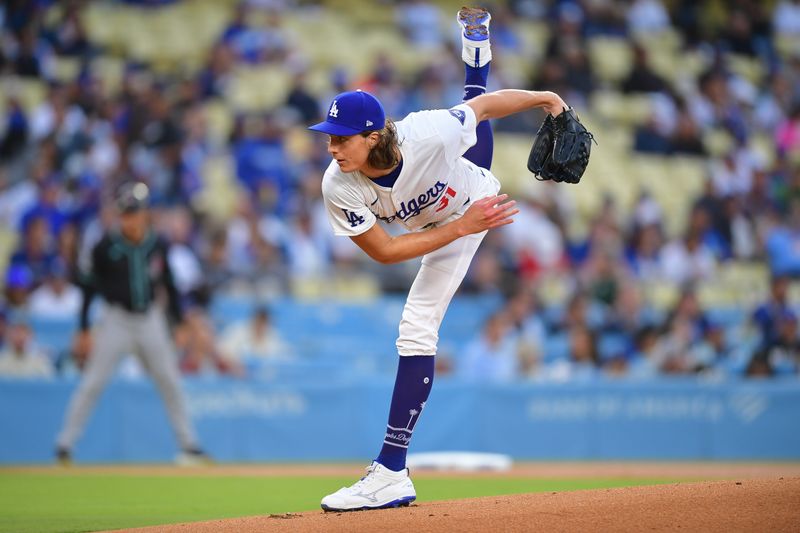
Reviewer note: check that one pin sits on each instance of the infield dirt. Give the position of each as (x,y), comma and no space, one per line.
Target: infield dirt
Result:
(715,506)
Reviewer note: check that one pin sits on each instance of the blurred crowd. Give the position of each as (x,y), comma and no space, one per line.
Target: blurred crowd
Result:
(62,159)
(590,340)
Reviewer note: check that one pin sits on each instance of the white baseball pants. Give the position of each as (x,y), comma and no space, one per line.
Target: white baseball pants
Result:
(439,277)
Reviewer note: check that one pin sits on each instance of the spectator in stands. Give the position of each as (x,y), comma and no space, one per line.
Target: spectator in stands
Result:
(786,18)
(528,325)
(584,359)
(255,44)
(262,164)
(687,260)
(216,270)
(644,361)
(647,210)
(15,131)
(19,358)
(783,244)
(302,101)
(710,352)
(420,23)
(36,252)
(197,348)
(774,101)
(505,36)
(686,137)
(383,80)
(72,361)
(644,252)
(688,309)
(47,207)
(18,286)
(787,136)
(603,276)
(761,201)
(671,353)
(583,349)
(487,274)
(642,78)
(492,357)
(195,152)
(716,105)
(249,254)
(647,17)
(782,354)
(578,72)
(580,311)
(604,17)
(15,198)
(66,247)
(767,315)
(739,229)
(69,36)
(551,76)
(56,297)
(431,90)
(738,36)
(187,270)
(32,56)
(307,252)
(534,240)
(629,312)
(215,77)
(569,30)
(256,338)
(759,367)
(702,222)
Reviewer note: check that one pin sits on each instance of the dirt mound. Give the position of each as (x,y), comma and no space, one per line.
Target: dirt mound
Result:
(724,506)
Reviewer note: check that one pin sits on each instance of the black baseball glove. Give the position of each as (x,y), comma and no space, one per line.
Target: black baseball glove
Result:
(561,149)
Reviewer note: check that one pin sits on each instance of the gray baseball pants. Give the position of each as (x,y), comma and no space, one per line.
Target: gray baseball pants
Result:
(120,332)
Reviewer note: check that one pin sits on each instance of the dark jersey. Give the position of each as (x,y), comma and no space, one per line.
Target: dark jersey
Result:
(127,275)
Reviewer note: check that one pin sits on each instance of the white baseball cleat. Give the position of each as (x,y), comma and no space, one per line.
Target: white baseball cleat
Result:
(381,488)
(474,22)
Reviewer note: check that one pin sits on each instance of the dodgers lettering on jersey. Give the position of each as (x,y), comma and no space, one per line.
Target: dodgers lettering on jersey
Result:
(435,183)
(415,205)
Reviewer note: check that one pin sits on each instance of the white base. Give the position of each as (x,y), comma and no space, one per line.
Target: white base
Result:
(461,461)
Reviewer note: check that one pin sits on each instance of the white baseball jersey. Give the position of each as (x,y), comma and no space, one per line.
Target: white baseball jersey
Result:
(435,183)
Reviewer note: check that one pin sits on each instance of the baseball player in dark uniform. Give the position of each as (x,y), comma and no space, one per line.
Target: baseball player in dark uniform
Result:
(126,268)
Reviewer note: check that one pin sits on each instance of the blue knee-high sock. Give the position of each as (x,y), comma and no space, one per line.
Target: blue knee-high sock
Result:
(474,85)
(411,389)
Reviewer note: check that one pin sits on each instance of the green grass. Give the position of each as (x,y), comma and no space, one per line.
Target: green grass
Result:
(44,502)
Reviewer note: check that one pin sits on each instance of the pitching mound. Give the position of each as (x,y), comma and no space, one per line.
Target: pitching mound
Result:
(724,506)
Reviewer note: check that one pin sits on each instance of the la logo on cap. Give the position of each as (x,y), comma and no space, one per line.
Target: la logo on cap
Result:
(334,112)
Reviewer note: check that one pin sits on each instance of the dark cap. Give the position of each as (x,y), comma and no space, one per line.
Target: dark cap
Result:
(133,196)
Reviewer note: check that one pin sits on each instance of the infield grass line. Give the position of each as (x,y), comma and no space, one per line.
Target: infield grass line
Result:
(79,502)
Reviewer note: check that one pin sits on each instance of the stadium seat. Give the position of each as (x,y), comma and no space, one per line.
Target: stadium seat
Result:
(611,58)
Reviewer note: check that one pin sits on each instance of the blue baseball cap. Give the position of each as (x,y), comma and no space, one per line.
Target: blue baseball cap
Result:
(19,276)
(352,112)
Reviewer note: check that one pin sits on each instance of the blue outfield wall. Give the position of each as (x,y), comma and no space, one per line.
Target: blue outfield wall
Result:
(258,421)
